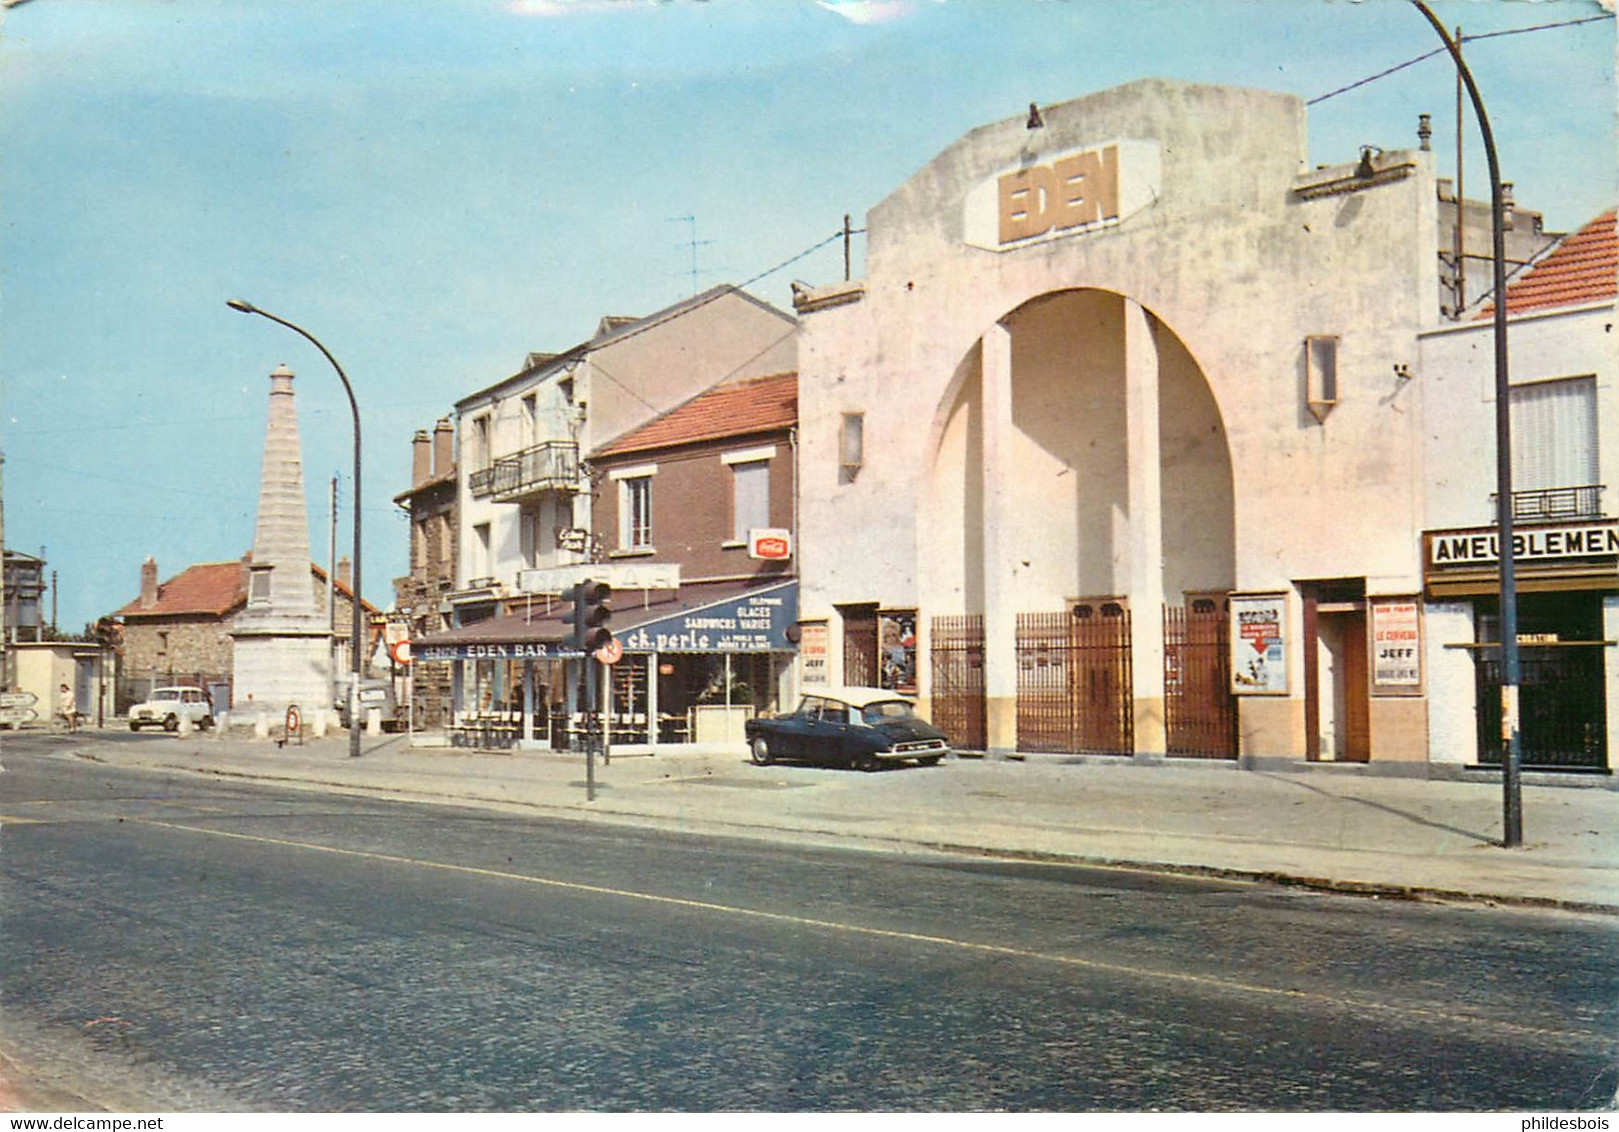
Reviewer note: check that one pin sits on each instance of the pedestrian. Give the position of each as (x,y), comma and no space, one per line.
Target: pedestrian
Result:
(67,706)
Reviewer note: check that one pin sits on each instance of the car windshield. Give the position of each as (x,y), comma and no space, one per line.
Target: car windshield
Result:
(167,695)
(884,711)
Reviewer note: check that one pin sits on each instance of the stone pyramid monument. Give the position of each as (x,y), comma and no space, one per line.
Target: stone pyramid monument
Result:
(283,644)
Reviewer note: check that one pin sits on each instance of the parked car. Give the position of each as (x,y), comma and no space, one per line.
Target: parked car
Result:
(377,694)
(857,727)
(168,706)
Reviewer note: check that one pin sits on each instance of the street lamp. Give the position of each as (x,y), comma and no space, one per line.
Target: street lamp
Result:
(1511,756)
(357,644)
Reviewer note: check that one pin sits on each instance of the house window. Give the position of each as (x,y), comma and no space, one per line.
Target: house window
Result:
(1321,374)
(530,535)
(480,443)
(750,494)
(634,507)
(635,513)
(446,540)
(418,557)
(750,489)
(530,419)
(258,585)
(1554,434)
(480,550)
(852,446)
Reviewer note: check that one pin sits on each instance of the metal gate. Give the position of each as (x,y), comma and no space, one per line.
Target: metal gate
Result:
(1561,707)
(1200,713)
(1073,689)
(957,649)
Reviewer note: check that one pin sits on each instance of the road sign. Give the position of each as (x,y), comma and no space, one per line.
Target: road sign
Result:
(400,651)
(611,652)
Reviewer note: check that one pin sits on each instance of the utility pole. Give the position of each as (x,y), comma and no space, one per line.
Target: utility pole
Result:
(1511,735)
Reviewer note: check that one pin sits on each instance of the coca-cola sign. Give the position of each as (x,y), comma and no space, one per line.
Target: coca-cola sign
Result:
(770,543)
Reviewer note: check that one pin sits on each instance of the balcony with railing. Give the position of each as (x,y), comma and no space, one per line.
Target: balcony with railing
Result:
(552,466)
(1555,503)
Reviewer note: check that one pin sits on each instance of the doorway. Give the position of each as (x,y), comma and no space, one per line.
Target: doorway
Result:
(1337,693)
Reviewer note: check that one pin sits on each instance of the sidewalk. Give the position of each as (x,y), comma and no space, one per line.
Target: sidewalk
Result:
(1333,828)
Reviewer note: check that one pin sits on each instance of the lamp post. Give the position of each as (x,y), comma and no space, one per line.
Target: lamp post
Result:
(357,643)
(1511,755)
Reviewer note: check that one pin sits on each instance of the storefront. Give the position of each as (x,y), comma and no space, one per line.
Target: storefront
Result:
(1568,612)
(689,666)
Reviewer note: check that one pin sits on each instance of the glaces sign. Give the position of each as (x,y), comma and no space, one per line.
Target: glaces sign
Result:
(1064,194)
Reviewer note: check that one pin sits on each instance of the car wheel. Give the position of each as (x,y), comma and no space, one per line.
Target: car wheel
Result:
(759,751)
(171,723)
(133,726)
(206,723)
(931,760)
(865,761)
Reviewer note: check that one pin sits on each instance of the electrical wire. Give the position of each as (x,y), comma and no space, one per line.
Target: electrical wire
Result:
(1442,50)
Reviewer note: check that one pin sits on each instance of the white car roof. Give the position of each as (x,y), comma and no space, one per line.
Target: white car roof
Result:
(856,696)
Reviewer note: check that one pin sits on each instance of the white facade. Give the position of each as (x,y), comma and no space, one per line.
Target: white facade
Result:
(1139,354)
(524,490)
(1565,417)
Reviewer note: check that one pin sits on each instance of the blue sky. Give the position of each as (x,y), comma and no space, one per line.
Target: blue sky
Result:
(435,189)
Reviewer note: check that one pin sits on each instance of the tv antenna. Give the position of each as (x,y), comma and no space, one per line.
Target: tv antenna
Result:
(693,243)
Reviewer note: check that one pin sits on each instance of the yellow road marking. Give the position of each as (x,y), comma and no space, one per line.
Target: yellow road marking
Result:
(995,949)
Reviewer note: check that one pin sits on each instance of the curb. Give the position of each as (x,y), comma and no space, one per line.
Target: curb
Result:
(759,832)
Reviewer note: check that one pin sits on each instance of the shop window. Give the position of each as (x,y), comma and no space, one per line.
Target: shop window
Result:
(1321,374)
(852,446)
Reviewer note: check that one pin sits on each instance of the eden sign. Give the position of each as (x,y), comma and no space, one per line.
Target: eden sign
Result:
(1061,194)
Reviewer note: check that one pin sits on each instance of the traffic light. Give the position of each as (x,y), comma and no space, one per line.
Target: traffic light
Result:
(590,614)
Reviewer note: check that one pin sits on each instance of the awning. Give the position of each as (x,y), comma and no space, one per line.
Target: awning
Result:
(718,617)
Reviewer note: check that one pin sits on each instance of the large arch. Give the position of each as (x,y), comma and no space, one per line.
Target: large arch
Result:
(1079,451)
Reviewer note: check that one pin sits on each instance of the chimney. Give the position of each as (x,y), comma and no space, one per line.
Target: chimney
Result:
(420,454)
(443,446)
(149,583)
(345,573)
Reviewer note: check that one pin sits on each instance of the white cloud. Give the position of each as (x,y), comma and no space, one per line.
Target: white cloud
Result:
(867,12)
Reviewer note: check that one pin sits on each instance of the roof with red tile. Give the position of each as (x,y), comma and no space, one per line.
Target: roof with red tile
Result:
(737,408)
(208,589)
(1582,268)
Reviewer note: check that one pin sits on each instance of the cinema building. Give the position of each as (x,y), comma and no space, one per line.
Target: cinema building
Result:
(1139,433)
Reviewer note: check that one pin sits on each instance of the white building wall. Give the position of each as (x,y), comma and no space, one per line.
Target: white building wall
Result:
(629,375)
(1231,262)
(1457,374)
(1452,722)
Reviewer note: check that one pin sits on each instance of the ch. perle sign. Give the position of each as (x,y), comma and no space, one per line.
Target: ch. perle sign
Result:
(1061,194)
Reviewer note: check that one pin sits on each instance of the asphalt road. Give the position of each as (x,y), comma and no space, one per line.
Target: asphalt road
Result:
(198,945)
